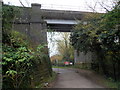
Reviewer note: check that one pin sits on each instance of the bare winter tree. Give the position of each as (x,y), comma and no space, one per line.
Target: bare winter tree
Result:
(101,4)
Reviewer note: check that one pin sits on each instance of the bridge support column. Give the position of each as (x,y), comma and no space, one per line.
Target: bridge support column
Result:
(38,30)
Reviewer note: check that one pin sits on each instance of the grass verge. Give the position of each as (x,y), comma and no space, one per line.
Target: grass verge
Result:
(73,66)
(46,83)
(111,84)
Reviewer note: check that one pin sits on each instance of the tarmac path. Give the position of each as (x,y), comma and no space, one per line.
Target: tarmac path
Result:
(70,78)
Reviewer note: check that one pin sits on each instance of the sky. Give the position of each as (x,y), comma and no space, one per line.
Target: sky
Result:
(74,5)
(52,38)
(78,5)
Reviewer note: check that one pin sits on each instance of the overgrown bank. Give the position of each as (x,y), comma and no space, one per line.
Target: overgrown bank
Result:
(23,66)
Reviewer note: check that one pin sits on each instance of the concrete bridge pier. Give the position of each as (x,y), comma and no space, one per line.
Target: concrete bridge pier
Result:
(38,27)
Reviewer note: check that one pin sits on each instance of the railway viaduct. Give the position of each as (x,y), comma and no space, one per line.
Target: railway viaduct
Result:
(34,22)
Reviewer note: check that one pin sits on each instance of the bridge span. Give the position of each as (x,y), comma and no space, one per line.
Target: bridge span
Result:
(36,22)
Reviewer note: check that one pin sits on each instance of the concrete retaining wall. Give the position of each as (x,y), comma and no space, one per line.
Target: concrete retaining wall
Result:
(81,57)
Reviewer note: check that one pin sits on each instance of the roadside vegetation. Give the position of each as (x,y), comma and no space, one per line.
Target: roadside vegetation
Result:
(101,36)
(23,66)
(48,81)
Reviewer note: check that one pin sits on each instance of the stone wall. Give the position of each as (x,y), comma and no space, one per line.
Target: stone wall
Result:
(81,57)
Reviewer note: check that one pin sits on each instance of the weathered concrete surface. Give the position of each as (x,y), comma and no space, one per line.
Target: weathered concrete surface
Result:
(69,78)
(81,57)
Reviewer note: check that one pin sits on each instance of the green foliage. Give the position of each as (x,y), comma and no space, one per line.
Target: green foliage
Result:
(8,15)
(66,51)
(101,35)
(17,60)
(85,38)
(20,61)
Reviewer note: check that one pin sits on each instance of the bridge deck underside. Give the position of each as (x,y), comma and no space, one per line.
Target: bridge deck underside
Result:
(60,27)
